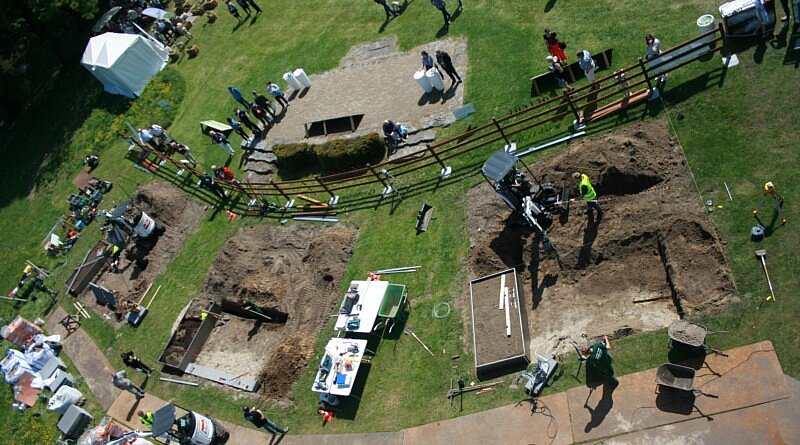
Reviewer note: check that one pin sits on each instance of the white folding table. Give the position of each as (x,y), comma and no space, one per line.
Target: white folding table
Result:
(339,366)
(370,297)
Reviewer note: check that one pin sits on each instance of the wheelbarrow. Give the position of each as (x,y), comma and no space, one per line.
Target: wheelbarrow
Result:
(391,308)
(679,377)
(692,334)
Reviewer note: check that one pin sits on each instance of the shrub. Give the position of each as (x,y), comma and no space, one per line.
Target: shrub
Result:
(332,156)
(295,156)
(346,154)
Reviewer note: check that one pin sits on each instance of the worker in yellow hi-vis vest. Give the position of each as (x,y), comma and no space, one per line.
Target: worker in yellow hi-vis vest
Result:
(589,195)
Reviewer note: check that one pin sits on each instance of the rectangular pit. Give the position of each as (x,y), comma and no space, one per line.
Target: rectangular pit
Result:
(495,350)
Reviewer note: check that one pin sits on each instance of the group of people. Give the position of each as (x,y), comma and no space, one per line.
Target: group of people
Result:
(246,6)
(157,137)
(260,106)
(557,58)
(443,61)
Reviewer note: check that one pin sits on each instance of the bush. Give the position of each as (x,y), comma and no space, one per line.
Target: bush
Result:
(346,154)
(332,156)
(295,156)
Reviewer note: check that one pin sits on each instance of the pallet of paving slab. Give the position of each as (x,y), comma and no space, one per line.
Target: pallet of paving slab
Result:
(226,378)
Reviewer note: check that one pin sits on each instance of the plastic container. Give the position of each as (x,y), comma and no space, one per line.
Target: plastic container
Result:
(435,79)
(301,77)
(706,23)
(423,81)
(292,81)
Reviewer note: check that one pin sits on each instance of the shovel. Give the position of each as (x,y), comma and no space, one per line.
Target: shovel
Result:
(762,254)
(408,331)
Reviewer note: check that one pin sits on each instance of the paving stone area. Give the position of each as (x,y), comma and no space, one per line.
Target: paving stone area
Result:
(756,403)
(90,361)
(375,80)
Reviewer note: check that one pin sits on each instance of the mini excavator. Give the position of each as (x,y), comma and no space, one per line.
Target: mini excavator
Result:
(535,201)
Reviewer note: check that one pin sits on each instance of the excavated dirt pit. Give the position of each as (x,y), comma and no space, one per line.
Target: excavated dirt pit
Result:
(652,258)
(170,208)
(284,270)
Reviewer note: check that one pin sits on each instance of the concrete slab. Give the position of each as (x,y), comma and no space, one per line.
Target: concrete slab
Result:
(513,424)
(635,405)
(90,361)
(125,409)
(395,438)
(787,412)
(746,426)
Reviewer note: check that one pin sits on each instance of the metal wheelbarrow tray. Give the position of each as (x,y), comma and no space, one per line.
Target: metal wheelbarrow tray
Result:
(691,334)
(678,377)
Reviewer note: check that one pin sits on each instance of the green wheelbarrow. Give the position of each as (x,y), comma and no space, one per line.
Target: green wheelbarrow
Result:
(394,300)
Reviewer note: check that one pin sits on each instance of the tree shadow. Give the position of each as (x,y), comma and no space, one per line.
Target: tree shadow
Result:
(45,129)
(549,6)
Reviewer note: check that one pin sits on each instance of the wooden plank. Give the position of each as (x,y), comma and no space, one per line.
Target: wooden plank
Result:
(312,200)
(618,105)
(502,289)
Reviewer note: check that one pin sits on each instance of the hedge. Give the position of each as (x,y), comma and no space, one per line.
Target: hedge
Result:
(332,156)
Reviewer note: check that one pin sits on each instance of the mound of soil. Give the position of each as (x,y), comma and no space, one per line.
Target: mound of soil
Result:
(179,216)
(282,269)
(652,259)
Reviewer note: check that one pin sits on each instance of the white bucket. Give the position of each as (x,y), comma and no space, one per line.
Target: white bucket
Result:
(435,79)
(301,77)
(292,81)
(706,23)
(423,81)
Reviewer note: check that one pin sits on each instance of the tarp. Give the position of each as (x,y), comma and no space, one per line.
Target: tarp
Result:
(124,63)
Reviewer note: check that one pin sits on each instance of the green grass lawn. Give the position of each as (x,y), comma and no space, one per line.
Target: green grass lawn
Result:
(738,127)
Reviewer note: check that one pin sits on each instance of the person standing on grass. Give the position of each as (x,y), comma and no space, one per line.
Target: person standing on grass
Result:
(589,195)
(224,173)
(245,119)
(175,147)
(554,46)
(264,103)
(599,365)
(276,92)
(234,12)
(386,8)
(557,68)
(762,15)
(132,361)
(121,381)
(208,181)
(588,66)
(245,7)
(442,6)
(261,115)
(237,95)
(653,47)
(259,420)
(444,61)
(237,127)
(222,141)
(255,6)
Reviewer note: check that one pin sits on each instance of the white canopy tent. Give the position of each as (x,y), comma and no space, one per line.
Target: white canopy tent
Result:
(124,63)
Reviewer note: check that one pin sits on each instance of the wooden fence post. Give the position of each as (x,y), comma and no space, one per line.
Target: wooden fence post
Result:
(446,171)
(289,201)
(334,198)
